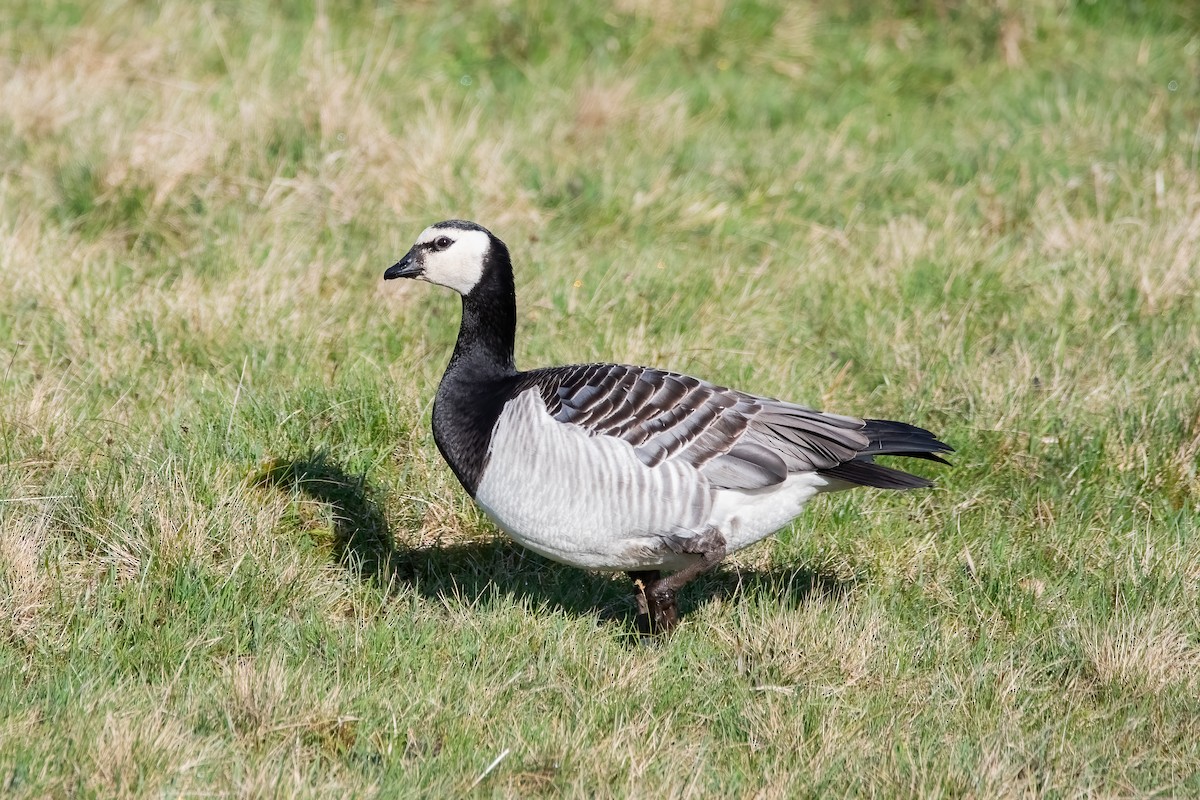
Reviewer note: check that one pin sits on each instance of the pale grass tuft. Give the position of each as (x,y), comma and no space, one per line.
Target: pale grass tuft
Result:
(794,647)
(364,159)
(279,283)
(17,727)
(139,753)
(1006,769)
(24,585)
(163,521)
(44,98)
(1186,462)
(276,709)
(444,156)
(820,655)
(1168,265)
(793,40)
(177,526)
(629,742)
(167,138)
(43,418)
(1012,37)
(117,78)
(188,142)
(1148,652)
(295,773)
(1163,254)
(676,23)
(25,239)
(600,106)
(901,241)
(607,111)
(257,692)
(272,704)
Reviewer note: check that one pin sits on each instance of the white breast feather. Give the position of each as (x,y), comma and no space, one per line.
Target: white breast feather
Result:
(583,500)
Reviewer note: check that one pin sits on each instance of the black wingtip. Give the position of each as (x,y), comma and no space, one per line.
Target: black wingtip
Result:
(930,457)
(890,438)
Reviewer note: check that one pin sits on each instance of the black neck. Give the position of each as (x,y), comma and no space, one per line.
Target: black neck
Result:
(474,389)
(489,324)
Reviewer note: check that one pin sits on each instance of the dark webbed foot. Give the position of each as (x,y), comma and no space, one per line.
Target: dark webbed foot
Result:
(663,612)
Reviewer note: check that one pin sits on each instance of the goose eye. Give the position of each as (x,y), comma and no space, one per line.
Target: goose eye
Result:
(442,242)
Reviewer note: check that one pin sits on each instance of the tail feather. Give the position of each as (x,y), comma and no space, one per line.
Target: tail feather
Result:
(864,473)
(890,438)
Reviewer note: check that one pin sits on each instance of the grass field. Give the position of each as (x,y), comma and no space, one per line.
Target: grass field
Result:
(233,564)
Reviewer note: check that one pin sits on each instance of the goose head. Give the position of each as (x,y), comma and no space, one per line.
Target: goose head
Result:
(456,254)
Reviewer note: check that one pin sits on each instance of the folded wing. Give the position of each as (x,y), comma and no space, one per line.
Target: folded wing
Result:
(738,440)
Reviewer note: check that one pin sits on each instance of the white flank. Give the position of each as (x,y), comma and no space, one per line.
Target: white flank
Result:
(745,516)
(590,502)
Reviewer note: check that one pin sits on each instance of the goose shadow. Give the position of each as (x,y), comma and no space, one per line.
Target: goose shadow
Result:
(363,544)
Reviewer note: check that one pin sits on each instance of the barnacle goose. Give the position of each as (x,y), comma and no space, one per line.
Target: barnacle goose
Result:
(623,468)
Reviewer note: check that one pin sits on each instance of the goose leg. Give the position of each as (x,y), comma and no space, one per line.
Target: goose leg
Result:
(657,600)
(642,581)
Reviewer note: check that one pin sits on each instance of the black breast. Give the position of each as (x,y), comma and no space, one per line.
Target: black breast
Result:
(464,416)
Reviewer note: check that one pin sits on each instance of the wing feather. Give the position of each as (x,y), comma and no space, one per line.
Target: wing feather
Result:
(738,440)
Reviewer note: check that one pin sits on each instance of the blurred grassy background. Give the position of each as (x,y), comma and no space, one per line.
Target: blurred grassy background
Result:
(232,562)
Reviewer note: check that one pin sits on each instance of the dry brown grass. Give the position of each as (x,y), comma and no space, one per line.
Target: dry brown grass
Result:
(24,585)
(1148,652)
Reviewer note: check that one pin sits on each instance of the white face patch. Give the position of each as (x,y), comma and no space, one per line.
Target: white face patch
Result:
(459,266)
